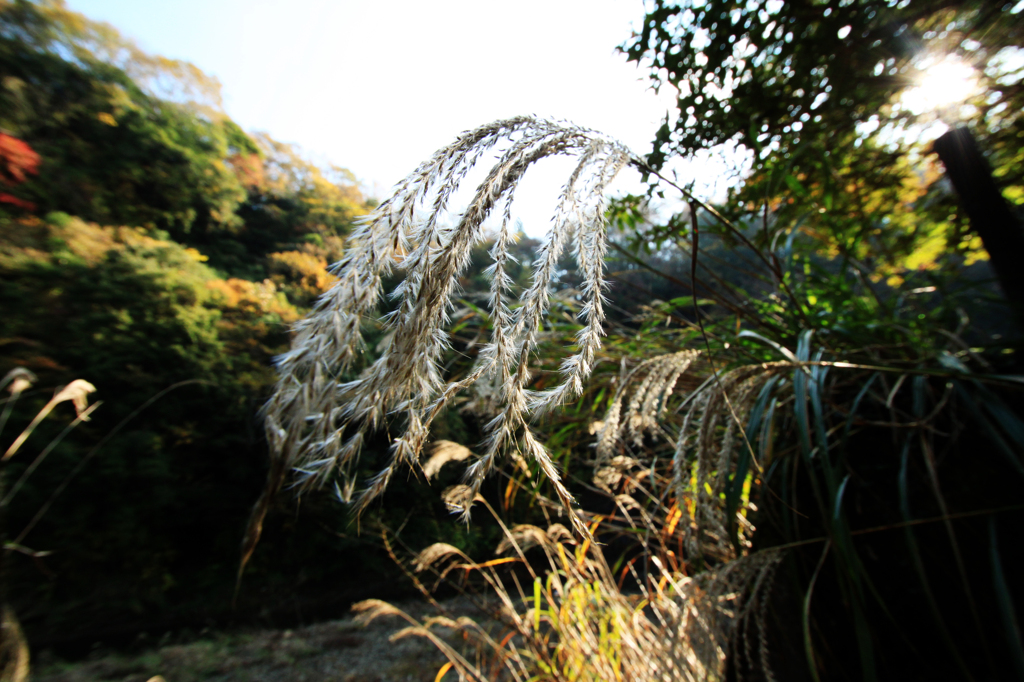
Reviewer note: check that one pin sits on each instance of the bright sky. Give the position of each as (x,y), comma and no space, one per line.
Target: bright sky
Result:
(378,86)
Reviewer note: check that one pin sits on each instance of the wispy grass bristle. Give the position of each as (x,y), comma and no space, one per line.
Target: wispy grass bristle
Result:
(317,424)
(708,445)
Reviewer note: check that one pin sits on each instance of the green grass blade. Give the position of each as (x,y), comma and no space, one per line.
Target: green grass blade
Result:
(850,572)
(735,487)
(764,441)
(800,395)
(855,406)
(997,439)
(815,391)
(803,346)
(785,352)
(800,412)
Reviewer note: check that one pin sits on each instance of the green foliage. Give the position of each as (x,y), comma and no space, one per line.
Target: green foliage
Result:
(812,92)
(112,153)
(137,316)
(48,26)
(160,252)
(115,153)
(778,76)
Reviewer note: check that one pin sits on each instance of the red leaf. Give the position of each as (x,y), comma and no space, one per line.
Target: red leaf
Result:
(20,203)
(16,160)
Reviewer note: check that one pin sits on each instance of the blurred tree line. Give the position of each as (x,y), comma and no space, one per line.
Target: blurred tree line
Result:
(151,246)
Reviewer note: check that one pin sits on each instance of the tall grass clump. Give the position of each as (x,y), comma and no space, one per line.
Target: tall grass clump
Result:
(564,616)
(785,493)
(317,422)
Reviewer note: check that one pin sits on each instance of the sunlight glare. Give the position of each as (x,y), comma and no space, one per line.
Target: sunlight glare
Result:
(942,83)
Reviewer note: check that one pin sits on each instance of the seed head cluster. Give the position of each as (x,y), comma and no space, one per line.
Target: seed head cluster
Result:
(317,424)
(709,441)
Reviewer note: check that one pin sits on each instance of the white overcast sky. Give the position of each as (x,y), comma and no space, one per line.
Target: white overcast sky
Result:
(376,87)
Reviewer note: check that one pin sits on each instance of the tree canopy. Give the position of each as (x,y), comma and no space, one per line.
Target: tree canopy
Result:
(817,92)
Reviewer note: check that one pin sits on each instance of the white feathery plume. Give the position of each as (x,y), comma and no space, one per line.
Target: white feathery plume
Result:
(660,375)
(710,438)
(316,425)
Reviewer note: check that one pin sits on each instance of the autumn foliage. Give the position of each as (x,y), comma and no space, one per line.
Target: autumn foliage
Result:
(17,160)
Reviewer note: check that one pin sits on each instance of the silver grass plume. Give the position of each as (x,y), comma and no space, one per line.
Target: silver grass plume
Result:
(316,425)
(710,437)
(648,401)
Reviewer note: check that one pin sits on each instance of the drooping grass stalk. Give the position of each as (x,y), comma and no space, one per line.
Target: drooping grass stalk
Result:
(317,424)
(722,452)
(76,392)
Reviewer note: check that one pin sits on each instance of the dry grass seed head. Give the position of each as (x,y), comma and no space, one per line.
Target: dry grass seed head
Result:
(718,422)
(577,619)
(317,424)
(711,436)
(647,401)
(77,392)
(442,452)
(18,380)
